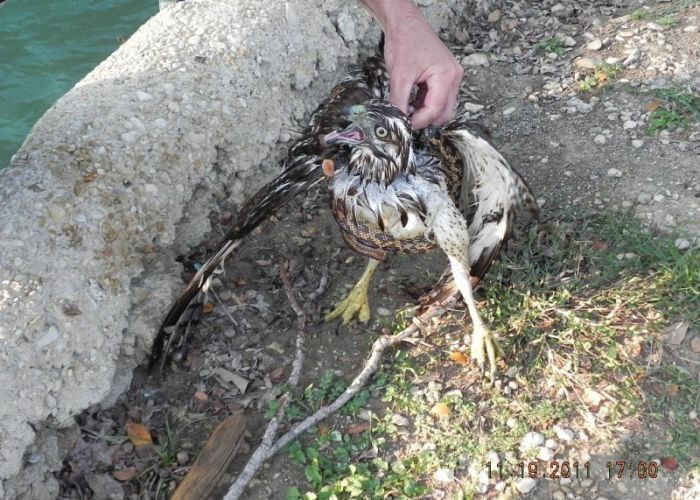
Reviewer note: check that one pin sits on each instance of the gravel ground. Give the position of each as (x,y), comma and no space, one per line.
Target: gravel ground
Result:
(573,114)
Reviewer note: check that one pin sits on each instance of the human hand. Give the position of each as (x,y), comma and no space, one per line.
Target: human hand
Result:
(415,55)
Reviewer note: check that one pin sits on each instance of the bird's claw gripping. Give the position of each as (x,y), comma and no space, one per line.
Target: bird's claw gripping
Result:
(356,304)
(484,346)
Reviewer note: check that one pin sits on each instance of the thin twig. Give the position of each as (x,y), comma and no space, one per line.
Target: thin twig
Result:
(263,451)
(267,450)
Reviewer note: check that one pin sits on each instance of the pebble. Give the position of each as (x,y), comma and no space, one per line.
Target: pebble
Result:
(600,139)
(568,41)
(494,16)
(658,197)
(614,172)
(444,475)
(130,136)
(500,486)
(475,60)
(143,96)
(564,434)
(643,198)
(682,244)
(629,124)
(383,311)
(580,105)
(627,204)
(691,29)
(531,440)
(399,420)
(594,44)
(525,485)
(551,443)
(695,346)
(509,111)
(472,107)
(558,495)
(545,454)
(637,143)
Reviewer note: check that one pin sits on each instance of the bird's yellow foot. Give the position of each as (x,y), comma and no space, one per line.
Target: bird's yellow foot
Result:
(484,346)
(356,304)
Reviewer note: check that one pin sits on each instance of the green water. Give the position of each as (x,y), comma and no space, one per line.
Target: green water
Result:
(46,46)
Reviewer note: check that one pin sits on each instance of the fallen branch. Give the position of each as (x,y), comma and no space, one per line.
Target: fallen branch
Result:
(267,449)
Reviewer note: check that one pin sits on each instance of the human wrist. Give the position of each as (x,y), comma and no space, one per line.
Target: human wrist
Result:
(394,15)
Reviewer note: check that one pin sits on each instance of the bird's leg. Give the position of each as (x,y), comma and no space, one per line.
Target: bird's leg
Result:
(484,345)
(357,301)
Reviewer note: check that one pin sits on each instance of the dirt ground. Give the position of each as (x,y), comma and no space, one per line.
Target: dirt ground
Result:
(573,116)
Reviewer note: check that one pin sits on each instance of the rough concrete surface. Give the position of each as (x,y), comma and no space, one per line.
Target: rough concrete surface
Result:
(122,172)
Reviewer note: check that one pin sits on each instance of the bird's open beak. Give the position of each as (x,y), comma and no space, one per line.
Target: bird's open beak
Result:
(350,135)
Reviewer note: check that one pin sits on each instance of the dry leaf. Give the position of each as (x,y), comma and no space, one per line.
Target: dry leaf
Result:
(277,375)
(200,395)
(592,399)
(695,344)
(207,307)
(653,105)
(124,475)
(669,463)
(441,410)
(672,390)
(358,428)
(138,434)
(323,430)
(328,167)
(459,358)
(675,333)
(599,245)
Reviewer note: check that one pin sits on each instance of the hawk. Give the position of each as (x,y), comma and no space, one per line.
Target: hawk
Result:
(392,190)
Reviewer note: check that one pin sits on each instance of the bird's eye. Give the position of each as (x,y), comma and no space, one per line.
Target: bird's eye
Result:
(381,132)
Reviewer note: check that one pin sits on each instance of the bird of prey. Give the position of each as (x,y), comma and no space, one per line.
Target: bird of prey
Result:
(393,190)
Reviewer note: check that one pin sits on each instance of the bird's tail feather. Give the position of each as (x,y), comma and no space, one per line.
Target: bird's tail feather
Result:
(299,176)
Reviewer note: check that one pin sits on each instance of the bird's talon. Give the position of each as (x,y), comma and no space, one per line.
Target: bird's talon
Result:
(355,305)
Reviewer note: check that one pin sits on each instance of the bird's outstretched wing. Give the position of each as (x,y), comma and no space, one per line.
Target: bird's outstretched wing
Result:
(301,171)
(492,194)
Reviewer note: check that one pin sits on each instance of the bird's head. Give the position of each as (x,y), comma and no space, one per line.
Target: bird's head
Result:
(378,135)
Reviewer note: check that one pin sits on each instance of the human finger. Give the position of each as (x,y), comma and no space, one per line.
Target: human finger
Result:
(400,91)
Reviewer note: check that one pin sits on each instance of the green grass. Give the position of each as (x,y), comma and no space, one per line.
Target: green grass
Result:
(552,44)
(668,21)
(678,108)
(575,322)
(639,15)
(603,74)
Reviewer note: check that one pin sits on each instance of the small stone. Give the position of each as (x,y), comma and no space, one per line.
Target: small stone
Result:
(654,27)
(472,107)
(579,105)
(637,143)
(585,63)
(383,311)
(444,475)
(614,172)
(545,454)
(500,486)
(551,443)
(399,420)
(494,16)
(695,346)
(564,434)
(691,29)
(558,495)
(629,124)
(508,111)
(130,136)
(160,123)
(692,414)
(143,96)
(525,485)
(568,41)
(594,44)
(511,422)
(531,440)
(643,198)
(683,244)
(627,204)
(586,483)
(475,60)
(183,458)
(512,371)
(658,197)
(600,139)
